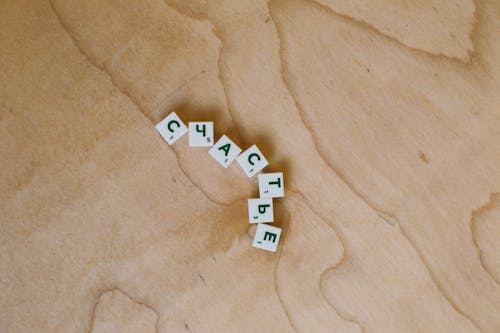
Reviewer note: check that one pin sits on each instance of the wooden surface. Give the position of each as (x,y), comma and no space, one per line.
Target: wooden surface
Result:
(384,116)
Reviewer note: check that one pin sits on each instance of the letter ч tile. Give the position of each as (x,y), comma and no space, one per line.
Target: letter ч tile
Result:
(201,134)
(171,128)
(225,151)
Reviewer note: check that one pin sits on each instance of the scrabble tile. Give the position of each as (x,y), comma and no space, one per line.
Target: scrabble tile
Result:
(201,134)
(271,185)
(267,237)
(260,210)
(171,128)
(252,161)
(225,151)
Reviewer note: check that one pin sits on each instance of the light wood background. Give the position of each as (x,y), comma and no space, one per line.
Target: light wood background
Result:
(383,114)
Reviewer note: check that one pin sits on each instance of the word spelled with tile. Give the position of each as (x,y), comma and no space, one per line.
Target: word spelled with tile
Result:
(251,161)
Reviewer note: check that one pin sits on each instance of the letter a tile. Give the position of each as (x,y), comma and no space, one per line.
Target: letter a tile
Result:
(225,151)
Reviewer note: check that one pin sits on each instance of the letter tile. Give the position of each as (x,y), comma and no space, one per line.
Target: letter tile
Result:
(171,128)
(201,134)
(225,151)
(267,237)
(260,210)
(271,185)
(252,161)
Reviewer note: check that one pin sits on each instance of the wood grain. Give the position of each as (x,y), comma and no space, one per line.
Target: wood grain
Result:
(384,116)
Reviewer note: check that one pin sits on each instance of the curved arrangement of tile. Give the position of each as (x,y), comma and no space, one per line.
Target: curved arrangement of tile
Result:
(251,161)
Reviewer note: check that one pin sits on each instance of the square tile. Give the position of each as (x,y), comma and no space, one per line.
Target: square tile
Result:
(225,151)
(171,128)
(252,161)
(260,210)
(201,134)
(271,185)
(267,237)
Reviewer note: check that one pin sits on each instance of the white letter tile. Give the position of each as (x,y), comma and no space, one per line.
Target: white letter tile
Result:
(171,128)
(267,237)
(271,185)
(260,210)
(252,161)
(201,134)
(225,151)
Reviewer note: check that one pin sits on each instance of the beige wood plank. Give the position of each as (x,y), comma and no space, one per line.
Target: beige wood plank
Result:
(383,115)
